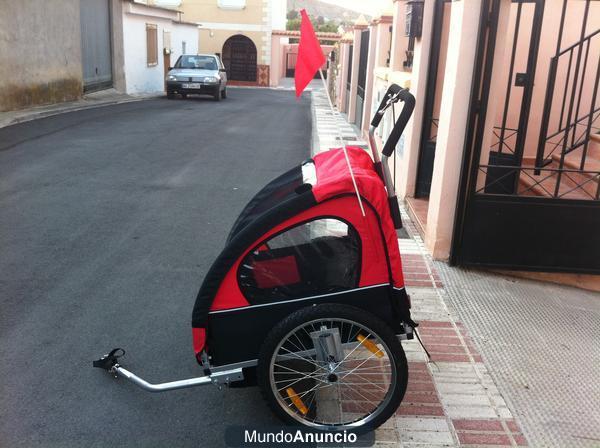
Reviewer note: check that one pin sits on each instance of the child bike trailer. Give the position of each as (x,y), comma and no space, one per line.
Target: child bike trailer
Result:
(307,298)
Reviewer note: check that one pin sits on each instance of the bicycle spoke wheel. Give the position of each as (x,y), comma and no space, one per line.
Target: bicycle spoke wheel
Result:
(332,367)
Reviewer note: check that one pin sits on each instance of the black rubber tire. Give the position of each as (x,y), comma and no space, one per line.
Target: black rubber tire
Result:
(324,311)
(217,94)
(184,95)
(224,93)
(170,94)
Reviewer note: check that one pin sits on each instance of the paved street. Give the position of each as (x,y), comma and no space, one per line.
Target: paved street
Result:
(109,219)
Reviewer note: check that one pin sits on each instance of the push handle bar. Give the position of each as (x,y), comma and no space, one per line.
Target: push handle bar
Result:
(407,110)
(394,94)
(386,101)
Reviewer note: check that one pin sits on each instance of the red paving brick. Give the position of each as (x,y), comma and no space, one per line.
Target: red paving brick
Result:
(512,426)
(469,438)
(478,425)
(420,410)
(440,340)
(417,272)
(435,324)
(414,386)
(421,398)
(520,440)
(445,344)
(443,348)
(450,357)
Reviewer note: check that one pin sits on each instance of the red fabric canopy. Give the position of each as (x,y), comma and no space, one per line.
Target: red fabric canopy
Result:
(333,178)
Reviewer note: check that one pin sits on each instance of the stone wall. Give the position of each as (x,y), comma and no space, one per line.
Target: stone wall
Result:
(40,53)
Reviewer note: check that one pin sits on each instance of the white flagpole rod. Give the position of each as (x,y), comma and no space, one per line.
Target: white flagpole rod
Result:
(337,114)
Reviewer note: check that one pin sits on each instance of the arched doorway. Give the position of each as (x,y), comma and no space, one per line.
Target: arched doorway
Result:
(239,58)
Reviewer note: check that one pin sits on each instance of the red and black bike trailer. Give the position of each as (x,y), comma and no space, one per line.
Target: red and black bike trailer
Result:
(307,298)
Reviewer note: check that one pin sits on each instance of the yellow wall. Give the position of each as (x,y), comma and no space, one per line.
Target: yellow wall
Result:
(252,21)
(214,43)
(209,11)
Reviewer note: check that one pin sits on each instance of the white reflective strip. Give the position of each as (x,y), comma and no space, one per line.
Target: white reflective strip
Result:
(298,300)
(398,289)
(309,173)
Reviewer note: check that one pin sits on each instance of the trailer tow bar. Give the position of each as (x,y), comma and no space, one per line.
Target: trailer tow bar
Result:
(110,363)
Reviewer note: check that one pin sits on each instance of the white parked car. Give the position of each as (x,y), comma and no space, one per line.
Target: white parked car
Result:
(197,73)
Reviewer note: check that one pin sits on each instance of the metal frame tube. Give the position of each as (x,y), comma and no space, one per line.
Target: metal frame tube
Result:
(373,144)
(387,176)
(225,377)
(385,170)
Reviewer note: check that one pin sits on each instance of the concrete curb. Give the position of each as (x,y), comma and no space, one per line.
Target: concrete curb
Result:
(36,115)
(314,141)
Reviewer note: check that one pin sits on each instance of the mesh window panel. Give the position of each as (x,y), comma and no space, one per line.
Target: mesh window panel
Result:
(316,257)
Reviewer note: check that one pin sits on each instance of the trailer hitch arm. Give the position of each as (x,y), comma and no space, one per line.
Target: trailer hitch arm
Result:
(109,362)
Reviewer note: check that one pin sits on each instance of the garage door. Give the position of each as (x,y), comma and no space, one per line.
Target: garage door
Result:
(95,44)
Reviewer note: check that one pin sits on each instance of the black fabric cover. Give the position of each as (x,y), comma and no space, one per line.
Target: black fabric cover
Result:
(274,193)
(257,217)
(401,306)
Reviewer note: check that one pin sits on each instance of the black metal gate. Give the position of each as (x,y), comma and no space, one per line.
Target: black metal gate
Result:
(528,197)
(363,55)
(432,100)
(348,77)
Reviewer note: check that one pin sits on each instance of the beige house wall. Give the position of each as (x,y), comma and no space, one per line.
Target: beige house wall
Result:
(462,43)
(407,172)
(217,24)
(343,75)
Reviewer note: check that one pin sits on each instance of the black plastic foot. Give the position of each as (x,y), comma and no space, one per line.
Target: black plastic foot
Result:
(109,360)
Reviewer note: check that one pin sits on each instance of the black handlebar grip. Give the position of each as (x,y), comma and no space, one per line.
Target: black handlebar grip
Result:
(407,110)
(391,91)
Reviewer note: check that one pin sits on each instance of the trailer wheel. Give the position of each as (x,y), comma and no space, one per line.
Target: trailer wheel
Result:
(333,367)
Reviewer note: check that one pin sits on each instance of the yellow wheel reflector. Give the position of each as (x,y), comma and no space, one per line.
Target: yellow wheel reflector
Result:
(369,345)
(297,401)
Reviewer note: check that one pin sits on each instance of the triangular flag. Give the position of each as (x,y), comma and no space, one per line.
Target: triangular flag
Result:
(310,55)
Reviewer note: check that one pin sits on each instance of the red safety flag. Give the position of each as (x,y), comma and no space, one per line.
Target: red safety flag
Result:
(310,55)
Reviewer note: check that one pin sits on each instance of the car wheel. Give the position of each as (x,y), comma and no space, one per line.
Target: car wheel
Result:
(170,94)
(217,94)
(184,95)
(224,93)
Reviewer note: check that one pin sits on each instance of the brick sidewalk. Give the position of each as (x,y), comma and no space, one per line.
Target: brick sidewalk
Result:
(452,400)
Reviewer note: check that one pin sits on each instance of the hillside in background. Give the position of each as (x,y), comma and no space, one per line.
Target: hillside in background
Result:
(329,12)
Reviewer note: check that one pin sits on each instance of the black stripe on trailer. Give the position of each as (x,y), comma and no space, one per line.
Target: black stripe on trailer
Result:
(236,335)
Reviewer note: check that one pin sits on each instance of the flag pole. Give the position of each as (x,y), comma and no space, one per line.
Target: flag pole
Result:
(337,114)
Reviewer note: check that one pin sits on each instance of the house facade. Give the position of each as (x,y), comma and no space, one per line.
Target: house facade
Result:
(240,32)
(500,163)
(153,39)
(89,45)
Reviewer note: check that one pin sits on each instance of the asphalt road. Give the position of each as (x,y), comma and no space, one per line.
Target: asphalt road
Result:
(109,219)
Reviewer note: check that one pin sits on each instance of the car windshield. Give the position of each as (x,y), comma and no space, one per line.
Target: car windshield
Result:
(201,62)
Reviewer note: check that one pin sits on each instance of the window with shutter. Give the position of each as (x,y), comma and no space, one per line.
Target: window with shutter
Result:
(151,45)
